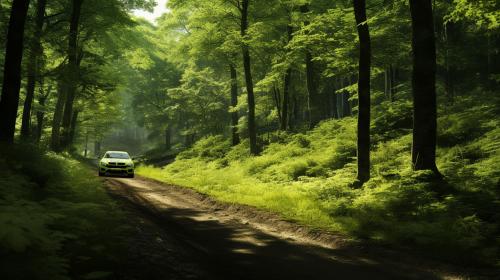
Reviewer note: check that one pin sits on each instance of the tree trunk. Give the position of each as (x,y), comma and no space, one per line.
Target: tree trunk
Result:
(286,89)
(346,106)
(36,52)
(12,70)
(340,98)
(296,111)
(363,91)
(86,144)
(97,148)
(168,139)
(286,100)
(56,120)
(277,101)
(424,86)
(392,83)
(71,73)
(252,133)
(333,100)
(314,109)
(72,129)
(234,103)
(40,114)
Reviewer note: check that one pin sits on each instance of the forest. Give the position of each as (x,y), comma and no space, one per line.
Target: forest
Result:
(378,120)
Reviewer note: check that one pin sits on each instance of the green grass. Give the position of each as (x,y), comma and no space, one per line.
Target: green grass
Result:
(309,178)
(56,220)
(295,201)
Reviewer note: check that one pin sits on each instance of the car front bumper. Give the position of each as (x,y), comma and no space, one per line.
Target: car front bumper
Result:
(116,170)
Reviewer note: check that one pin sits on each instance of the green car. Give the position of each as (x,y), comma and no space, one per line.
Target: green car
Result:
(116,163)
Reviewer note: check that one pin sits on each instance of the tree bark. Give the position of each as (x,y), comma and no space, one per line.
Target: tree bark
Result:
(56,120)
(424,86)
(86,144)
(392,83)
(252,133)
(333,100)
(234,103)
(286,88)
(314,108)
(74,119)
(363,91)
(36,52)
(12,70)
(277,102)
(97,148)
(346,105)
(40,114)
(71,73)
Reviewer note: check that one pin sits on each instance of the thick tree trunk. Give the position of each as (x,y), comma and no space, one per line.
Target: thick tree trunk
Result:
(12,70)
(363,91)
(424,86)
(56,120)
(71,73)
(36,52)
(252,131)
(234,103)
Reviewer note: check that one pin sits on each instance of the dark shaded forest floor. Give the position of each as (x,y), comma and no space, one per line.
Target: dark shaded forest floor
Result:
(181,234)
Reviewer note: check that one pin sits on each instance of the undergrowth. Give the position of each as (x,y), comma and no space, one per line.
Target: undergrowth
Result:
(309,178)
(56,221)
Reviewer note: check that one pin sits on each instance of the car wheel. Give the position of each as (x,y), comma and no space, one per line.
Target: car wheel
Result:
(131,175)
(101,174)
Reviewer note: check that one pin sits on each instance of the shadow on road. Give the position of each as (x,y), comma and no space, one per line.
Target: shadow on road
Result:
(208,249)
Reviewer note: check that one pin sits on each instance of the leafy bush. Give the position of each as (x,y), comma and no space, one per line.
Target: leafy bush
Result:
(56,221)
(208,148)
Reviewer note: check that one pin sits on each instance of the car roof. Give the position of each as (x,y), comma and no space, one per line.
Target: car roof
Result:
(117,152)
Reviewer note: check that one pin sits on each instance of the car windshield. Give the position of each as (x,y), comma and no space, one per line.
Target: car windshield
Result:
(117,155)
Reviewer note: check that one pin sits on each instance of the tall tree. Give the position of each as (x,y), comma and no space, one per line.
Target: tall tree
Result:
(234,103)
(363,91)
(71,73)
(35,53)
(56,119)
(252,132)
(12,70)
(286,91)
(424,86)
(314,109)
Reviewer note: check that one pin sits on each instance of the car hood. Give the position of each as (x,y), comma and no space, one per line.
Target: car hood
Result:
(107,160)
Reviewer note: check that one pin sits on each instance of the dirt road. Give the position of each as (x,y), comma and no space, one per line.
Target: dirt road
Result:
(185,235)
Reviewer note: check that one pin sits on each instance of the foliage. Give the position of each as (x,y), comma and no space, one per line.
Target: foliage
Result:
(56,221)
(308,177)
